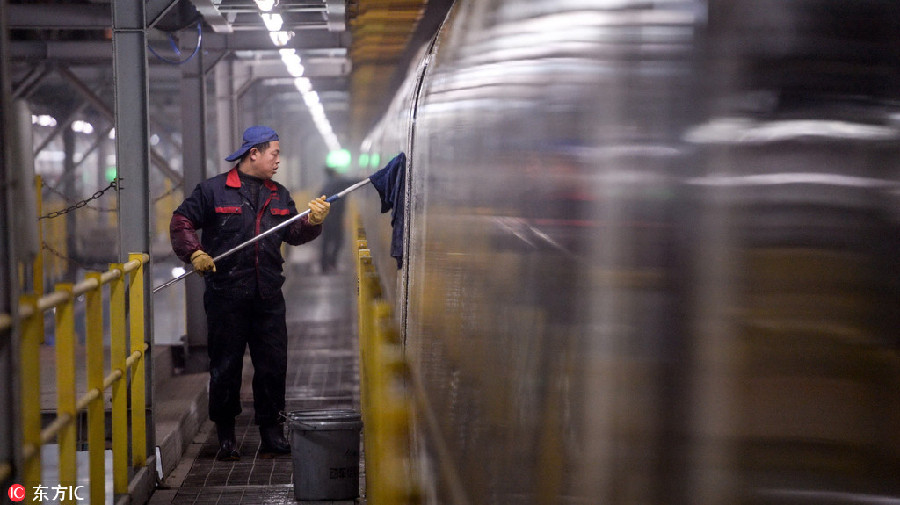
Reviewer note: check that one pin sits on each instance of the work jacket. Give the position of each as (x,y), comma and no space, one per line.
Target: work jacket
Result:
(222,208)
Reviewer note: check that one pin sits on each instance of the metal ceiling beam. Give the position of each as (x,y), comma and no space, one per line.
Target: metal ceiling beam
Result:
(158,160)
(76,16)
(88,51)
(81,51)
(101,137)
(337,67)
(59,16)
(212,16)
(27,85)
(60,127)
(320,84)
(282,7)
(156,9)
(260,41)
(292,21)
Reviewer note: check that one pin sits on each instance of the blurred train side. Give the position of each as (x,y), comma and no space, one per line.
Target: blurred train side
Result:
(652,251)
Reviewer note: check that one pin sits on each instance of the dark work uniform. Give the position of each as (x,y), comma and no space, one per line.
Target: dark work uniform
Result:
(333,233)
(243,300)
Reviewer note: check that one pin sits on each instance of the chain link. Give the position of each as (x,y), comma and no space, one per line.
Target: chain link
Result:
(60,194)
(98,194)
(45,246)
(167,193)
(82,203)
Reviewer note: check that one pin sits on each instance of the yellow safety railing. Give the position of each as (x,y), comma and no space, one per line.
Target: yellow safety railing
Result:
(385,405)
(120,277)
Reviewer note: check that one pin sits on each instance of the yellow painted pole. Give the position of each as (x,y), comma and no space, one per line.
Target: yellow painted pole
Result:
(362,299)
(365,325)
(363,260)
(396,484)
(117,358)
(138,379)
(372,424)
(30,360)
(164,207)
(38,267)
(65,387)
(376,418)
(95,410)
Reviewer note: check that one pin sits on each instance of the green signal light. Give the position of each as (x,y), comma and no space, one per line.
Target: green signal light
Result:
(110,174)
(364,160)
(339,160)
(374,160)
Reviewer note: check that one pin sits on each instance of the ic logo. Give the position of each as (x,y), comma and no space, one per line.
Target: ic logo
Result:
(16,492)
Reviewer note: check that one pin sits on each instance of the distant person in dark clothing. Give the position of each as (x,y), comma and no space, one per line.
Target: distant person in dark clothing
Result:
(333,235)
(243,299)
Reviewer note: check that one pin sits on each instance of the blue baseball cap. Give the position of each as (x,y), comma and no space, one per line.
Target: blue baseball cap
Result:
(252,136)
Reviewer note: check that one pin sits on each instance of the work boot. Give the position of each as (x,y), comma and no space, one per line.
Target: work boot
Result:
(272,439)
(227,443)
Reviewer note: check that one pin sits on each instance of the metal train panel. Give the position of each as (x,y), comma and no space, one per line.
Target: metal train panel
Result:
(652,252)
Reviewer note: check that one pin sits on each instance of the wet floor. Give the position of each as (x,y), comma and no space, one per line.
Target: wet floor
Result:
(323,370)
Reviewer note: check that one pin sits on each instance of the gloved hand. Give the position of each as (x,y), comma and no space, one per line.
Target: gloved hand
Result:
(202,262)
(318,209)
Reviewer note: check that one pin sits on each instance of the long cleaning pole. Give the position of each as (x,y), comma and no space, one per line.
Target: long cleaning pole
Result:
(263,234)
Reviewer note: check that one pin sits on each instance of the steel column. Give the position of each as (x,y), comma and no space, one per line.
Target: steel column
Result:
(193,128)
(159,160)
(70,189)
(132,119)
(9,441)
(226,111)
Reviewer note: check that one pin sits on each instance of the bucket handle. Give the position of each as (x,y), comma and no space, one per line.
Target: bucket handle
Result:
(285,419)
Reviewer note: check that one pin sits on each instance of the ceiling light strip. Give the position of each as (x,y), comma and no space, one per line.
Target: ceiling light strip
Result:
(291,60)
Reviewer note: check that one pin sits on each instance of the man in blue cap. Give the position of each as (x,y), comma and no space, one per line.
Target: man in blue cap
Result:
(243,300)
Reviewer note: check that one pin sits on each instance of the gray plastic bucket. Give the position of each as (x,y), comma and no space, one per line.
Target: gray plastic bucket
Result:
(325,452)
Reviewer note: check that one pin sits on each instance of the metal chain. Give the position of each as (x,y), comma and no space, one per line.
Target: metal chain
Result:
(82,203)
(60,194)
(95,196)
(167,193)
(45,246)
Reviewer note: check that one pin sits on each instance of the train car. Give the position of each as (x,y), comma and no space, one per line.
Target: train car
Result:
(651,251)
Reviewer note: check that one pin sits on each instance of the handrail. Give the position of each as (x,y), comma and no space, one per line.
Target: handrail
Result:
(57,298)
(30,316)
(385,404)
(53,429)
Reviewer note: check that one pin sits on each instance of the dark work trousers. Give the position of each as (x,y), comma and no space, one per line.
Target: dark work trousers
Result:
(332,239)
(233,324)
